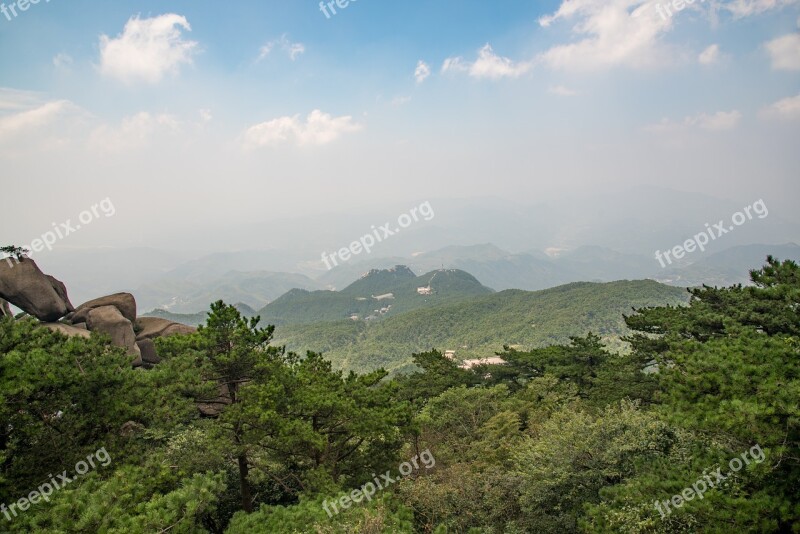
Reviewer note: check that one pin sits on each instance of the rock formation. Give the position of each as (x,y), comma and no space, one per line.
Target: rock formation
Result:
(124,302)
(67,330)
(25,286)
(153,327)
(109,320)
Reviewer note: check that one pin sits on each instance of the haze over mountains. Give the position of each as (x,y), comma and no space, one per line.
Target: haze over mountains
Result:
(190,287)
(586,237)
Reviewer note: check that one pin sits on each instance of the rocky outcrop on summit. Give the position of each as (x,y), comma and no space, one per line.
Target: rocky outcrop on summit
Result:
(109,320)
(25,286)
(67,330)
(61,291)
(153,327)
(124,302)
(148,350)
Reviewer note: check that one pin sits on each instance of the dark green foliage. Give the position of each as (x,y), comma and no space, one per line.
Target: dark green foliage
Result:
(567,437)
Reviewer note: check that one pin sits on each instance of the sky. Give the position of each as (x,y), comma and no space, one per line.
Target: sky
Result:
(187,115)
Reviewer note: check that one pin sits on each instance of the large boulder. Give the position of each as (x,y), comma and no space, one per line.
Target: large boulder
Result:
(25,286)
(67,330)
(61,289)
(153,327)
(109,320)
(124,302)
(148,350)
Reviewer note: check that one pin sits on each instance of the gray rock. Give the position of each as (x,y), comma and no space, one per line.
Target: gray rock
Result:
(124,302)
(25,286)
(153,327)
(61,289)
(148,350)
(108,320)
(5,309)
(67,330)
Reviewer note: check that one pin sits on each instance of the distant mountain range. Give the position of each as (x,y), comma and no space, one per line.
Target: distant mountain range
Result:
(531,244)
(728,267)
(535,270)
(190,289)
(181,294)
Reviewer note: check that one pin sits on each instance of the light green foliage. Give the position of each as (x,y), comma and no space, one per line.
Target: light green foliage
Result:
(382,515)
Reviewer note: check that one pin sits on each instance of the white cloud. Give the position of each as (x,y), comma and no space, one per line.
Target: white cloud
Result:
(38,118)
(62,61)
(400,100)
(134,132)
(422,71)
(611,33)
(147,49)
(292,49)
(265,50)
(560,90)
(295,49)
(785,109)
(746,8)
(31,125)
(720,121)
(488,65)
(318,129)
(15,100)
(784,52)
(710,55)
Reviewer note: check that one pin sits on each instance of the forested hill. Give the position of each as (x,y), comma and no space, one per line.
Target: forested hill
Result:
(480,326)
(378,294)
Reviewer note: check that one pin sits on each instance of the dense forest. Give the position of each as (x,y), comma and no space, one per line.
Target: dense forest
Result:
(695,428)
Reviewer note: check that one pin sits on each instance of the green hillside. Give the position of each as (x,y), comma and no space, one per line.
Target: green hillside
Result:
(376,281)
(481,326)
(378,294)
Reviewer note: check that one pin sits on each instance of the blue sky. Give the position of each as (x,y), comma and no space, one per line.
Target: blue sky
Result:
(218,106)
